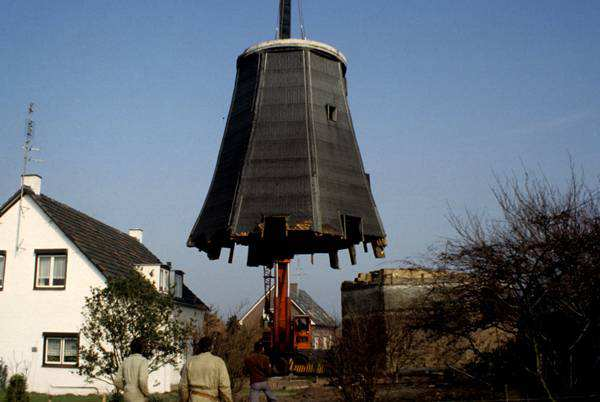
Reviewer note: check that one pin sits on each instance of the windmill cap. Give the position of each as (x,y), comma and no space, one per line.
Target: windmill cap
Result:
(295,43)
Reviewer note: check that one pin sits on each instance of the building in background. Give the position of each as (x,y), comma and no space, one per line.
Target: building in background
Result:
(323,325)
(380,303)
(50,257)
(385,290)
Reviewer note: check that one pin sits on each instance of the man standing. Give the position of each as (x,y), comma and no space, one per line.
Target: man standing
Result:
(258,367)
(204,376)
(133,374)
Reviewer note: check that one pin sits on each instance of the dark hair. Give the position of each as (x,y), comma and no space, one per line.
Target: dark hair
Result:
(259,346)
(203,345)
(137,346)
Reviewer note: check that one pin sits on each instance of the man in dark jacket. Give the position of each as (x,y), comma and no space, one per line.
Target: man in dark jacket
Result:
(258,367)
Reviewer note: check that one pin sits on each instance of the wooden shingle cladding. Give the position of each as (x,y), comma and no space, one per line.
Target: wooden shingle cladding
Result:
(289,150)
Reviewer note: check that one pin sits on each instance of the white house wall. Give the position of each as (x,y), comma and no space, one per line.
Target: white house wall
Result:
(186,314)
(25,313)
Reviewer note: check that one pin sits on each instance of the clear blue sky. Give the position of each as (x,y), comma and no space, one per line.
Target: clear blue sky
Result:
(132,97)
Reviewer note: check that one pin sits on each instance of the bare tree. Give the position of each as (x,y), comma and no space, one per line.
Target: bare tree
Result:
(532,275)
(358,357)
(232,342)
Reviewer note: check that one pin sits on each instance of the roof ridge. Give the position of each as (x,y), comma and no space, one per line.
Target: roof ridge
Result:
(111,251)
(105,225)
(13,198)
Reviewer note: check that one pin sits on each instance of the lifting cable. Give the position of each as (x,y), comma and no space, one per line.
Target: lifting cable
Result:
(277,17)
(301,20)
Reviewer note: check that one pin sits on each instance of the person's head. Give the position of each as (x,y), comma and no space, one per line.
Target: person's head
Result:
(259,347)
(137,346)
(203,345)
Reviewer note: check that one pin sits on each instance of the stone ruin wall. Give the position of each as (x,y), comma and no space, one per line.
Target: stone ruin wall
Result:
(383,297)
(385,290)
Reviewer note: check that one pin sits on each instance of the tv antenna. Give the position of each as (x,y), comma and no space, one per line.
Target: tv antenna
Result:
(299,271)
(28,148)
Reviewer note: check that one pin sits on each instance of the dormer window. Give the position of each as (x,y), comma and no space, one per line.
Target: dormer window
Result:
(50,269)
(178,286)
(163,280)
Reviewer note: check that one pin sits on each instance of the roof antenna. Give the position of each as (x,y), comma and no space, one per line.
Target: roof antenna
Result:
(28,148)
(299,271)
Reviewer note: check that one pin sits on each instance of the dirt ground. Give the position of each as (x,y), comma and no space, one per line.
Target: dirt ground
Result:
(409,389)
(320,392)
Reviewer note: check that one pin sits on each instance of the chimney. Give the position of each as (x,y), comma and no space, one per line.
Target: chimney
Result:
(33,181)
(293,290)
(136,234)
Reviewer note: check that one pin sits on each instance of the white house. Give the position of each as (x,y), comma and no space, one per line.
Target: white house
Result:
(50,257)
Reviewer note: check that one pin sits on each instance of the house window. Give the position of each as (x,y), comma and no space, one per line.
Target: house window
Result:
(61,350)
(178,289)
(163,283)
(50,269)
(331,112)
(327,342)
(2,268)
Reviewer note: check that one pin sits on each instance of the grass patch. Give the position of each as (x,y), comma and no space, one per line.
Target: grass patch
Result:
(167,397)
(35,397)
(278,392)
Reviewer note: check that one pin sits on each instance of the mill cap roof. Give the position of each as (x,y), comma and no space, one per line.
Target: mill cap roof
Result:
(296,43)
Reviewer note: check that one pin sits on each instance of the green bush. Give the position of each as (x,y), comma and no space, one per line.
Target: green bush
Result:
(17,389)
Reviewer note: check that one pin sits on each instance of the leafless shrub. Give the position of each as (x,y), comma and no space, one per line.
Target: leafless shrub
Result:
(533,276)
(232,342)
(358,357)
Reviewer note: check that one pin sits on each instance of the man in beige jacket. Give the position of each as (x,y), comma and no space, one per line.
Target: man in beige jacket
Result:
(133,374)
(204,376)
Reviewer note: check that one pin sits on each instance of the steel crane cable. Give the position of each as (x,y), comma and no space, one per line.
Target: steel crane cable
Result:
(301,20)
(277,17)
